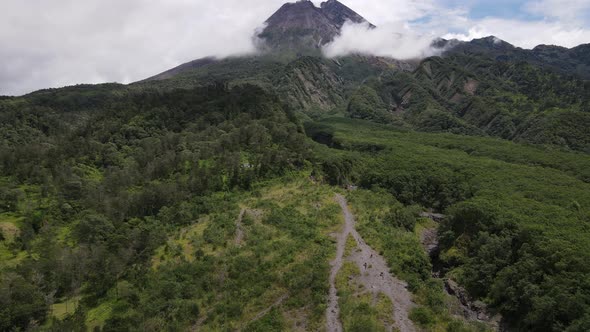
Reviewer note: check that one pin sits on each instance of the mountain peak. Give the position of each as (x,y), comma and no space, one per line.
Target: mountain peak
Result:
(302,26)
(339,13)
(493,41)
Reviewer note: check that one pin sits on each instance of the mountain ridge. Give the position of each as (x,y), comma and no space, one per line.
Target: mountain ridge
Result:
(569,61)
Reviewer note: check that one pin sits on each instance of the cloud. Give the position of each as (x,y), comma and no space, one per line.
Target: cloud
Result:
(560,9)
(394,40)
(381,12)
(526,34)
(62,42)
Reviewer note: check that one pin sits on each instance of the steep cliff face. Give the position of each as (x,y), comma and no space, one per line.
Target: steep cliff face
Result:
(302,26)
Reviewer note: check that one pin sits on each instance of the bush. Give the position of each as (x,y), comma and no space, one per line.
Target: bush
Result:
(402,218)
(422,316)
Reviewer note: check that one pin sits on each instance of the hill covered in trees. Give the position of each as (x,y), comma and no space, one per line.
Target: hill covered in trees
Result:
(203,198)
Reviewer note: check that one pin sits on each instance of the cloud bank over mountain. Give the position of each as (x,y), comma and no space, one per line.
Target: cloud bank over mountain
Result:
(55,43)
(390,40)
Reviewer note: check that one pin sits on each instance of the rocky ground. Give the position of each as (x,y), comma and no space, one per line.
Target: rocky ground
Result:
(375,277)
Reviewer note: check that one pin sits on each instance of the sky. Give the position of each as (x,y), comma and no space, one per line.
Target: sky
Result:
(56,43)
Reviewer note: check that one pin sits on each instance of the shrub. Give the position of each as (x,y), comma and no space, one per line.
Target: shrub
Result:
(422,316)
(402,218)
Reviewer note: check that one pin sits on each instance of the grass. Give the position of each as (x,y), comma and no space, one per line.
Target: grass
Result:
(384,308)
(356,306)
(96,317)
(90,173)
(183,245)
(64,236)
(9,226)
(350,245)
(62,309)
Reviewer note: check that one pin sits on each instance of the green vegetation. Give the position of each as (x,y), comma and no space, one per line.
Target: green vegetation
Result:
(407,259)
(94,178)
(120,205)
(62,309)
(476,95)
(281,268)
(357,311)
(508,216)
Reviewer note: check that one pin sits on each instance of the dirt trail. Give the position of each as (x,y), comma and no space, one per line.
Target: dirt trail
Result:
(263,313)
(333,310)
(240,228)
(375,277)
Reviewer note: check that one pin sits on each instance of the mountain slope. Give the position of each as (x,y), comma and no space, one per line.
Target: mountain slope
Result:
(483,87)
(574,61)
(338,13)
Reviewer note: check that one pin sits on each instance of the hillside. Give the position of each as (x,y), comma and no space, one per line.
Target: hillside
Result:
(483,87)
(573,62)
(286,191)
(459,93)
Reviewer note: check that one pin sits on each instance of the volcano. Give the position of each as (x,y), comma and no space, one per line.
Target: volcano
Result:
(301,26)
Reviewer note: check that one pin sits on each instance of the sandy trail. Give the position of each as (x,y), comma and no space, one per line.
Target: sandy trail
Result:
(333,310)
(240,228)
(375,277)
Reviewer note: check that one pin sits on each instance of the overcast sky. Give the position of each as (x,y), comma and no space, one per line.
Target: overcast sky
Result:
(63,42)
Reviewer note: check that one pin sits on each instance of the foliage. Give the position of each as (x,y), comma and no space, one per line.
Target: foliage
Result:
(516,232)
(366,104)
(127,197)
(99,175)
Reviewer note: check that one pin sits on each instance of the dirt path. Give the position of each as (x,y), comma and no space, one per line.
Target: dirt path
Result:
(375,277)
(239,228)
(333,310)
(263,313)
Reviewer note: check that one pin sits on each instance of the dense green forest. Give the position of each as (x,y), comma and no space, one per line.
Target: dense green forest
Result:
(518,219)
(479,96)
(93,178)
(204,198)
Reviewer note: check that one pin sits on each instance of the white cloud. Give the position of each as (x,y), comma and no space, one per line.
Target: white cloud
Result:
(566,10)
(526,34)
(381,12)
(394,40)
(62,42)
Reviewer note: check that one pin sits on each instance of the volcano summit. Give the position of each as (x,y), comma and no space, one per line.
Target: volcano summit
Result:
(302,26)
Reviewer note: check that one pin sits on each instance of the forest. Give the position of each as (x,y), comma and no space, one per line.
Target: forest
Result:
(93,180)
(168,206)
(516,233)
